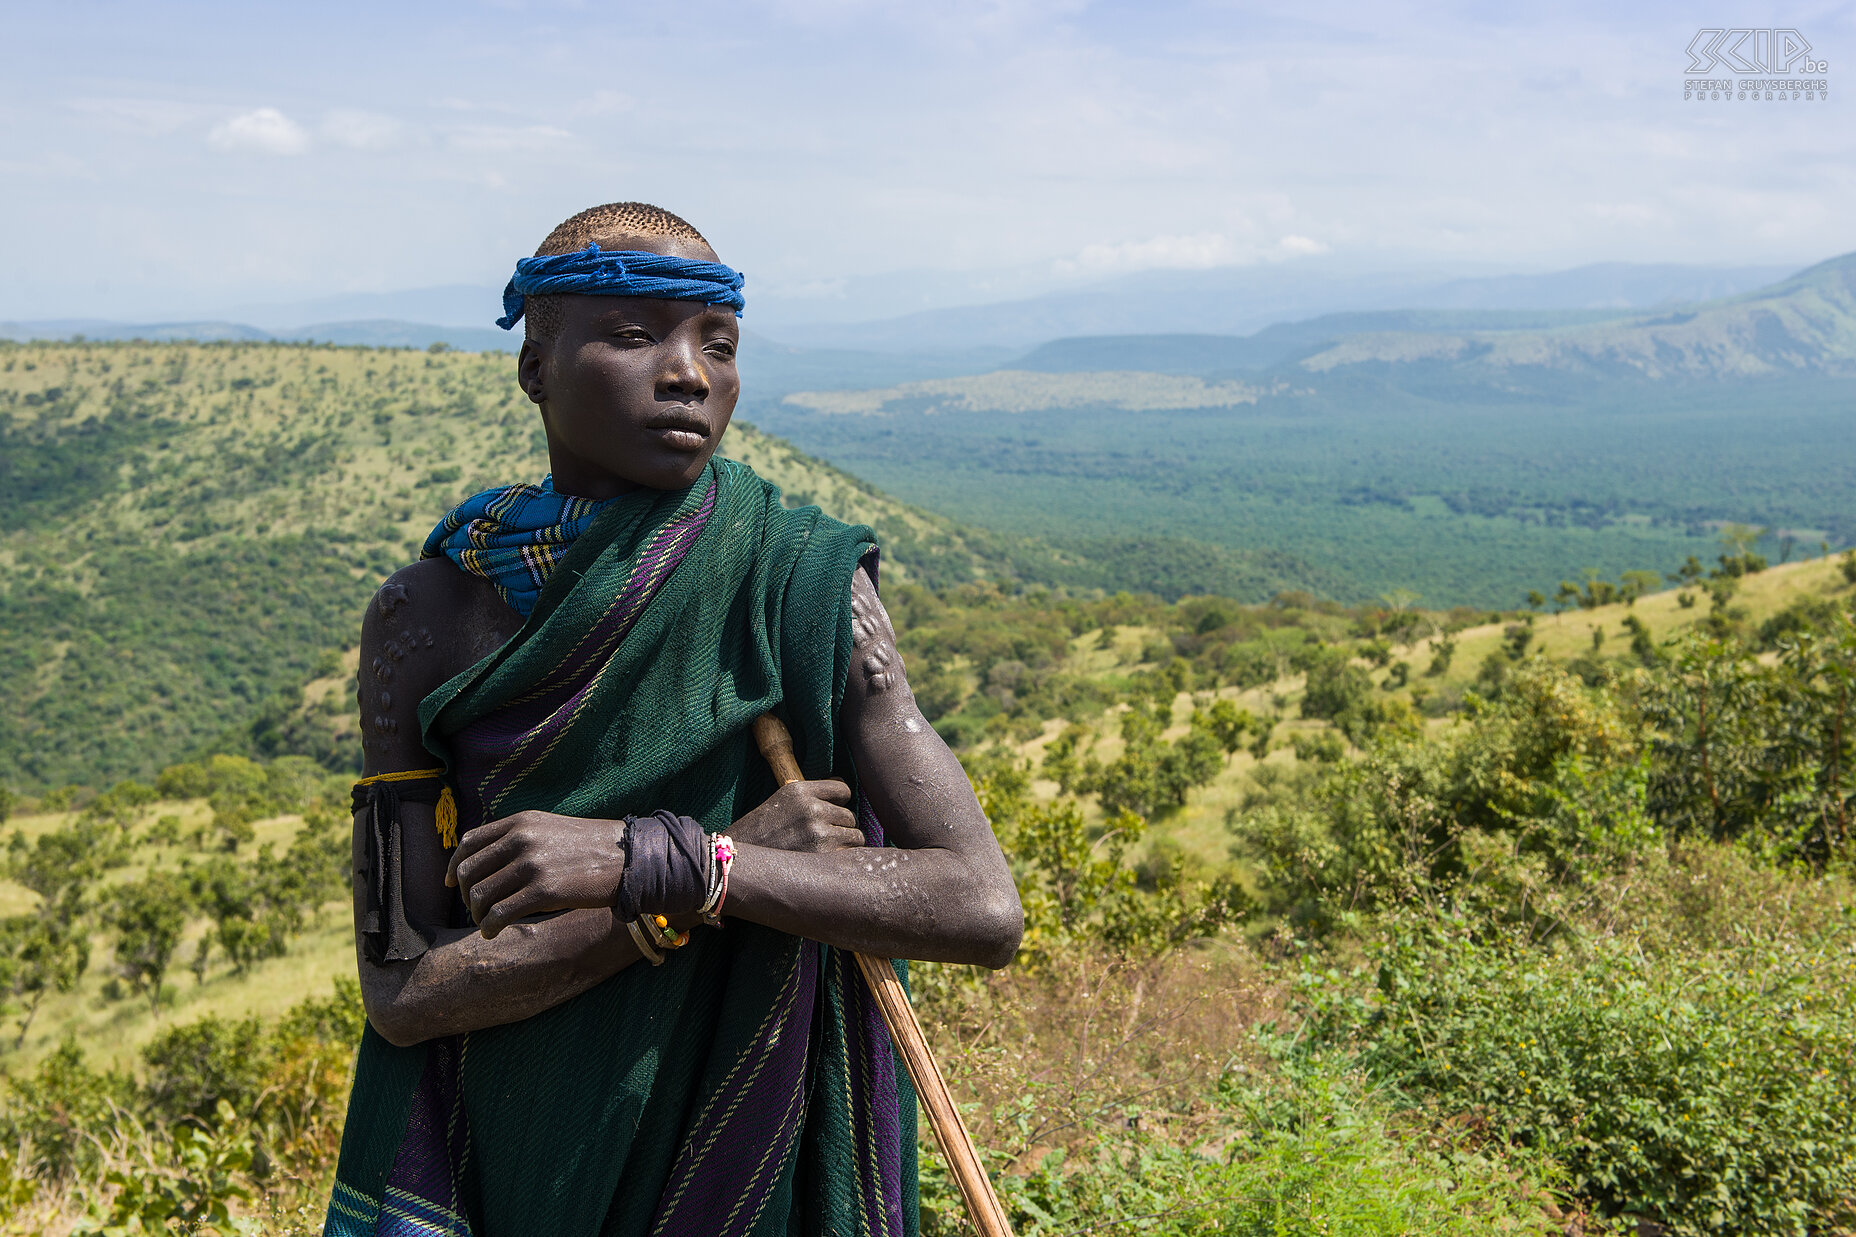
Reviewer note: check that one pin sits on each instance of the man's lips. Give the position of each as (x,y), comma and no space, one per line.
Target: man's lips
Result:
(680,432)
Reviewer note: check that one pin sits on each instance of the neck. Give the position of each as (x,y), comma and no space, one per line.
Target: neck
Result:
(573,479)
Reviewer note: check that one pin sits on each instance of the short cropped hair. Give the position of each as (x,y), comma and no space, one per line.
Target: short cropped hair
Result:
(542,314)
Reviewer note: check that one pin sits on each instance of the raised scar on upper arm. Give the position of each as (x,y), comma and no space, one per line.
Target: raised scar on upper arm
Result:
(405,641)
(391,597)
(872,638)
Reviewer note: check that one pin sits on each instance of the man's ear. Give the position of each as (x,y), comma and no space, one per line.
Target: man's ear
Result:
(529,363)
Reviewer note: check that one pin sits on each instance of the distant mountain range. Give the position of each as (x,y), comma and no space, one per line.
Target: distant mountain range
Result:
(1242,300)
(1802,325)
(1303,299)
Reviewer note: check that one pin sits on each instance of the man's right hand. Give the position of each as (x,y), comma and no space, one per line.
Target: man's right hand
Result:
(811,817)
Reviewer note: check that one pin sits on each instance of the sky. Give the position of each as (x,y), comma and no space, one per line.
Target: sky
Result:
(189,159)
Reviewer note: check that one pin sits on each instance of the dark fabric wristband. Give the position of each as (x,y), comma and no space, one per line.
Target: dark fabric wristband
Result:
(666,866)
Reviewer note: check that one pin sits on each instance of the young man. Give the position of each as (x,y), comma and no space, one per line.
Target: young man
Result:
(576,666)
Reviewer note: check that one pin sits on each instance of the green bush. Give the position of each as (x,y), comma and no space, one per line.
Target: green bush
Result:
(1312,1153)
(194,1068)
(54,1114)
(1712,1090)
(1763,752)
(1551,770)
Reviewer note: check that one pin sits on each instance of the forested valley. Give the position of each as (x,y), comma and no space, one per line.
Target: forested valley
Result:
(1357,916)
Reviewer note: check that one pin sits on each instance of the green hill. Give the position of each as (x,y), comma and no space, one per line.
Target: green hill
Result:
(194,528)
(1429,942)
(192,531)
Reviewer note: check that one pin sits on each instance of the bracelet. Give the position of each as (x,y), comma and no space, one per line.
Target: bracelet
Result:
(721,859)
(659,930)
(643,942)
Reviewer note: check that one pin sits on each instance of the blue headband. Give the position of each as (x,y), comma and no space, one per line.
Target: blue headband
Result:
(628,272)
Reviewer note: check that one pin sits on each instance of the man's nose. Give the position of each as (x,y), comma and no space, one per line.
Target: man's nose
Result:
(684,373)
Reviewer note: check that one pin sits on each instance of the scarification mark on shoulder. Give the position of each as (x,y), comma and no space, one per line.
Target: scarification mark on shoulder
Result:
(873,638)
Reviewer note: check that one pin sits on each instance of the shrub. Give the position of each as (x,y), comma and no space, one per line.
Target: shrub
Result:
(1709,1090)
(194,1068)
(1550,771)
(53,1114)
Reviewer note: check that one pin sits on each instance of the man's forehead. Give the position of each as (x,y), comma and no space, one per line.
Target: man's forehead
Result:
(668,246)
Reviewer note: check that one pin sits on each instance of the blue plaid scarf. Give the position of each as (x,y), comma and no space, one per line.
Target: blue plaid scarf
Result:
(513,537)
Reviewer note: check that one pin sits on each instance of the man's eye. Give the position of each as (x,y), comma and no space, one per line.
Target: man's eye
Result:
(721,348)
(633,335)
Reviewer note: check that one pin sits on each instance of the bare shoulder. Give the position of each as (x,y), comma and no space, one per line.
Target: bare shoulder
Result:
(425,624)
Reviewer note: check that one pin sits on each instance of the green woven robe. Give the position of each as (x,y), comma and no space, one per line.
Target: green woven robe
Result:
(744,1087)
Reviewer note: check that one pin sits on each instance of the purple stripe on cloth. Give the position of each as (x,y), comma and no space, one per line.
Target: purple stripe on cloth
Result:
(876,1113)
(421,1198)
(737,1147)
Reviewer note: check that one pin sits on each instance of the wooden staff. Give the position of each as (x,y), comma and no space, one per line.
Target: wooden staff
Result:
(776,744)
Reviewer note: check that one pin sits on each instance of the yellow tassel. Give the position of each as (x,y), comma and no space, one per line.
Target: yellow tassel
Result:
(446,813)
(447,816)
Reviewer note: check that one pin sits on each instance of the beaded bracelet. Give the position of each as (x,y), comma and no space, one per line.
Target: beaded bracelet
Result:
(660,931)
(721,859)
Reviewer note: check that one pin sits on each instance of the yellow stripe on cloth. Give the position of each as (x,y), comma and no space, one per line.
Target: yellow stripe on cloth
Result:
(445,814)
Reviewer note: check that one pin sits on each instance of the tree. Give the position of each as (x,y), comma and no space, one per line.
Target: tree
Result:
(1636,583)
(1443,651)
(1152,776)
(1226,723)
(49,949)
(40,954)
(1334,685)
(1739,538)
(147,917)
(1598,591)
(1535,599)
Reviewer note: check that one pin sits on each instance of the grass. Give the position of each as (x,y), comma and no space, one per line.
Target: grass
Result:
(113,1031)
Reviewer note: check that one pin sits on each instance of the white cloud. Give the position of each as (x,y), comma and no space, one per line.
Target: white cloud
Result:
(1197,251)
(266,130)
(359,130)
(503,139)
(604,103)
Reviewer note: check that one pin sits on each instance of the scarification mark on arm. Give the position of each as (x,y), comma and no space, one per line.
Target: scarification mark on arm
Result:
(873,639)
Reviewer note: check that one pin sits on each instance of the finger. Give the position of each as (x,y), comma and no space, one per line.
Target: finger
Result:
(501,884)
(518,904)
(493,858)
(843,839)
(834,817)
(830,789)
(475,841)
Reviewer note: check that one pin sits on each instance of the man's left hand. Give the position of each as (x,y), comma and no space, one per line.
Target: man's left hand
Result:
(536,862)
